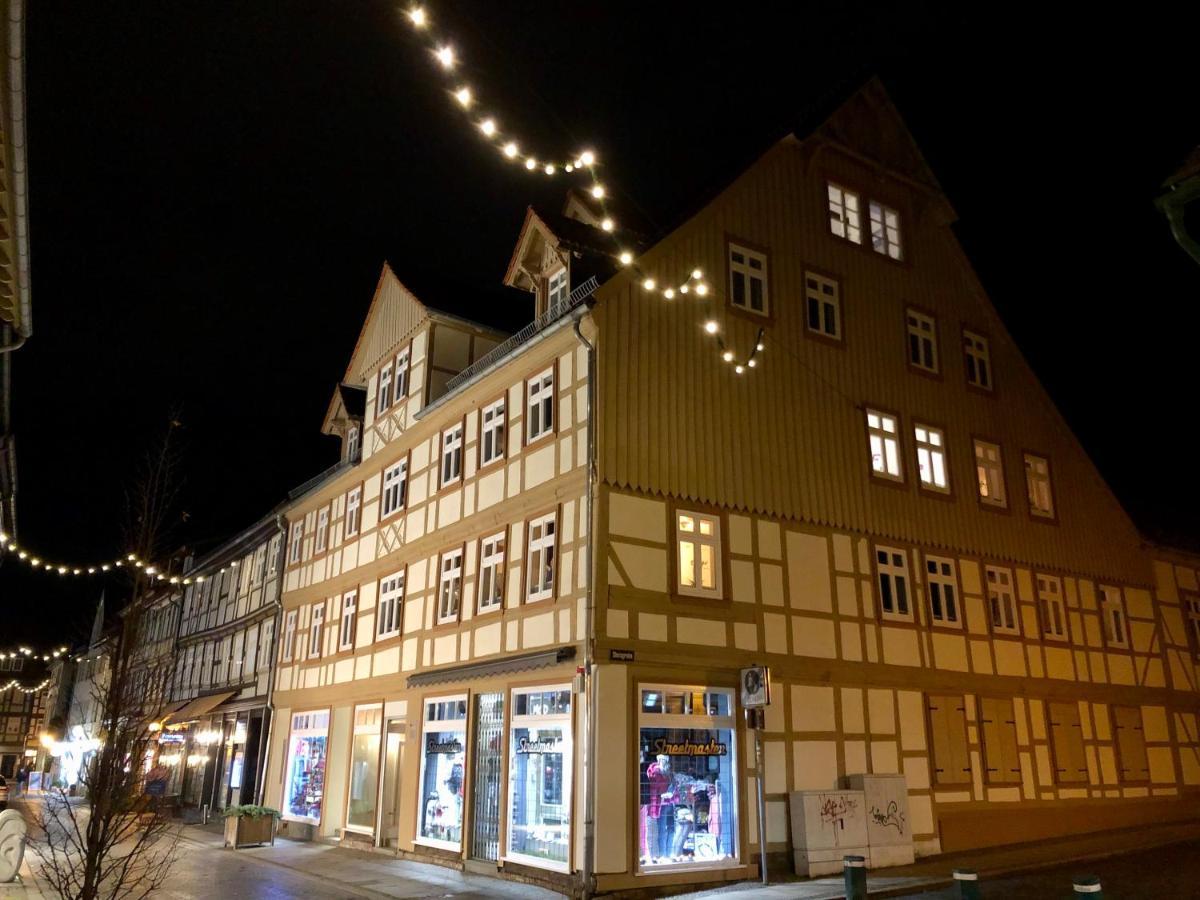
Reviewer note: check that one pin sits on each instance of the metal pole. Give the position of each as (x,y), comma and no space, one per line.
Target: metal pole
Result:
(762,803)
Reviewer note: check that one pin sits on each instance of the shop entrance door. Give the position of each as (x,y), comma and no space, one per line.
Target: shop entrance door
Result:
(489,755)
(388,832)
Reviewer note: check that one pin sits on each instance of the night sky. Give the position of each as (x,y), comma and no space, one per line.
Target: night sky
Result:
(214,187)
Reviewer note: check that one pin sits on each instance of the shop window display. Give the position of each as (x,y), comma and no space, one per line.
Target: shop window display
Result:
(539,772)
(364,768)
(305,784)
(443,772)
(687,777)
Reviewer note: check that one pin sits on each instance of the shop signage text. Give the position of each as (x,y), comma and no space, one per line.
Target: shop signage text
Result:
(451,746)
(620,655)
(690,748)
(542,745)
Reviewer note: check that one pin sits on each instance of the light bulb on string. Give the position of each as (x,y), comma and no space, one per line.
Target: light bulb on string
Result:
(598,191)
(626,257)
(648,284)
(588,158)
(549,169)
(607,225)
(488,127)
(463,96)
(669,293)
(727,356)
(702,289)
(531,164)
(417,16)
(445,55)
(511,150)
(711,326)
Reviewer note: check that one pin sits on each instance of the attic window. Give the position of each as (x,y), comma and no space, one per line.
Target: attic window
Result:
(557,291)
(845,214)
(748,280)
(384,398)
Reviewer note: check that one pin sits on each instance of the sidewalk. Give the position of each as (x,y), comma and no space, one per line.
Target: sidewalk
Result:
(935,873)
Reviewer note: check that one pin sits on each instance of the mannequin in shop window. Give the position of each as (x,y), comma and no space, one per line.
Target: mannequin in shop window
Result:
(681,814)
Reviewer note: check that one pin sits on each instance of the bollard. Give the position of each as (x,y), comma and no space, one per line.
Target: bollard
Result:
(967,881)
(855,870)
(1087,886)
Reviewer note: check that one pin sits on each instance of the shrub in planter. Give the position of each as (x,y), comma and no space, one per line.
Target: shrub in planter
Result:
(247,825)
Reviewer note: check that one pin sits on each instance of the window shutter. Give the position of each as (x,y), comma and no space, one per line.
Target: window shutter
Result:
(1131,743)
(1070,762)
(947,724)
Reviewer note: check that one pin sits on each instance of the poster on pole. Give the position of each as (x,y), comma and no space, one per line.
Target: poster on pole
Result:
(756,687)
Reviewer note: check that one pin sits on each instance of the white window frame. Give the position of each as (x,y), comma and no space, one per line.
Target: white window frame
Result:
(492,433)
(349,618)
(1053,607)
(892,570)
(989,474)
(316,629)
(698,541)
(400,380)
(322,538)
(751,267)
(442,726)
(353,511)
(825,294)
(845,212)
(450,582)
(932,470)
(391,604)
(539,406)
(883,445)
(394,493)
(564,721)
(921,338)
(450,463)
(537,549)
(557,290)
(977,360)
(273,556)
(383,396)
(885,230)
(492,571)
(352,437)
(1116,623)
(1039,488)
(1002,601)
(363,724)
(941,588)
(295,546)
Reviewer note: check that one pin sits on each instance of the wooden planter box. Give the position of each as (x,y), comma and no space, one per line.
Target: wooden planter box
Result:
(249,831)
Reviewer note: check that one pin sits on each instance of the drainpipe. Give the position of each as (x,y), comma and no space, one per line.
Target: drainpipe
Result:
(264,735)
(589,650)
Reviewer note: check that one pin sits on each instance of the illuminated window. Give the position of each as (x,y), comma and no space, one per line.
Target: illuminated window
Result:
(989,473)
(322,530)
(978,359)
(353,511)
(1116,632)
(540,558)
(491,572)
(539,411)
(349,609)
(1054,609)
(845,217)
(401,384)
(885,230)
(1002,603)
(922,341)
(892,568)
(557,292)
(492,433)
(395,485)
(931,458)
(882,433)
(391,597)
(452,454)
(823,299)
(352,447)
(314,630)
(450,586)
(698,538)
(383,398)
(941,581)
(1037,486)
(748,280)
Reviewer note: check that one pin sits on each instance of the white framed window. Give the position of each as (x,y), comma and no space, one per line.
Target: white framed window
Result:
(698,543)
(539,412)
(977,357)
(441,785)
(322,529)
(823,303)
(349,619)
(884,443)
(363,787)
(891,566)
(395,487)
(383,398)
(1116,630)
(391,599)
(452,440)
(1037,486)
(304,781)
(491,572)
(922,340)
(294,545)
(401,381)
(289,635)
(539,777)
(491,433)
(557,290)
(540,561)
(941,581)
(352,438)
(450,586)
(353,510)
(315,628)
(885,230)
(931,458)
(845,215)
(1054,608)
(989,474)
(273,555)
(748,280)
(1002,602)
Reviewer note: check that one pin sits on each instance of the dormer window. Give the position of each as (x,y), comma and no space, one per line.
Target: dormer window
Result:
(384,398)
(352,443)
(557,291)
(401,380)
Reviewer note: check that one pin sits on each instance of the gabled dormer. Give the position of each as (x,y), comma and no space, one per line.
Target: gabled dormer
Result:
(344,419)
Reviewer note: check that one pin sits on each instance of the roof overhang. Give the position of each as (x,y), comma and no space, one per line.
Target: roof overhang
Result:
(522,663)
(15,309)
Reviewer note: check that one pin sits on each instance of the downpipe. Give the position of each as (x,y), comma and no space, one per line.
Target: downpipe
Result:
(265,735)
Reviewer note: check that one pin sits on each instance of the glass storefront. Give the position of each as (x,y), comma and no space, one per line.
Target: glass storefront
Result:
(304,784)
(687,777)
(539,776)
(443,771)
(364,768)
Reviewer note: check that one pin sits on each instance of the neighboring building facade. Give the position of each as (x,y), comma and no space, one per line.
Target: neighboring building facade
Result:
(85,709)
(22,712)
(886,509)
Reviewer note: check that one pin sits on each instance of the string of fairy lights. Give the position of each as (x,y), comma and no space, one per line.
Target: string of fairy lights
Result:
(443,51)
(130,561)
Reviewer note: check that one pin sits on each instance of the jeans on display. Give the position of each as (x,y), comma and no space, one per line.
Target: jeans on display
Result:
(666,829)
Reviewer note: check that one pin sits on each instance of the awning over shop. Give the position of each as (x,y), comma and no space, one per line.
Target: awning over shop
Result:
(194,709)
(168,709)
(498,667)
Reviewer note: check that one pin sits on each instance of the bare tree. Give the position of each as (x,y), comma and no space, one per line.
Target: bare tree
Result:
(121,844)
